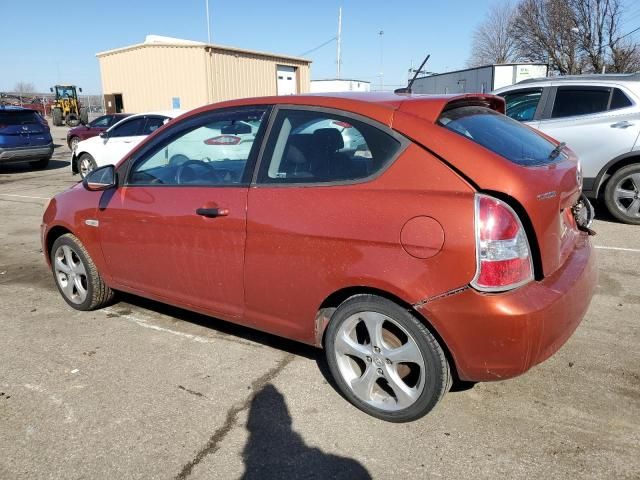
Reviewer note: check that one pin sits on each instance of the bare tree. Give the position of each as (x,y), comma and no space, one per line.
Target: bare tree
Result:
(493,41)
(575,36)
(24,88)
(544,30)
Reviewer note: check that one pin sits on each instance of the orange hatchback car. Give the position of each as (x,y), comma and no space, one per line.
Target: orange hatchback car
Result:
(414,238)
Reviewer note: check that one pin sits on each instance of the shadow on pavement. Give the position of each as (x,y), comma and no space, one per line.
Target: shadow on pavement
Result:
(274,450)
(23,167)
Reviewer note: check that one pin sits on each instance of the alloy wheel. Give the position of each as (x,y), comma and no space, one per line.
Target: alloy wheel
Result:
(627,195)
(86,165)
(70,274)
(380,361)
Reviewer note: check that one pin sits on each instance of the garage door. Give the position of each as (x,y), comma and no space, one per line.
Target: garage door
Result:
(286,80)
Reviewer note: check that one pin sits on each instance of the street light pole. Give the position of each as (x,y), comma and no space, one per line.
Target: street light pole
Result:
(381,34)
(208,22)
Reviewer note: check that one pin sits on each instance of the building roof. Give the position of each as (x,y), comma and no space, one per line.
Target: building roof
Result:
(161,41)
(339,80)
(627,77)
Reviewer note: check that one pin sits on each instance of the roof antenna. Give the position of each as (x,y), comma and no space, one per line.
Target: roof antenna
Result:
(407,89)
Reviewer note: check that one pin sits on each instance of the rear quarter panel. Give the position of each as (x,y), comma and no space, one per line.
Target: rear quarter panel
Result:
(305,243)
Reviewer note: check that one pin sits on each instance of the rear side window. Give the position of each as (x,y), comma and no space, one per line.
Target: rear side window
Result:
(500,134)
(572,101)
(18,117)
(619,100)
(320,147)
(522,104)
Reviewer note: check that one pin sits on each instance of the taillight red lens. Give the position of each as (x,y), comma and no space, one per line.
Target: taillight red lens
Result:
(502,249)
(223,140)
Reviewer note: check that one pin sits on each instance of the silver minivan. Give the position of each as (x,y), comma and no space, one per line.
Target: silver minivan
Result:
(598,116)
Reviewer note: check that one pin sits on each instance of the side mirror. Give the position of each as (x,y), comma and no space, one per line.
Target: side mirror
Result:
(51,89)
(102,178)
(104,134)
(80,89)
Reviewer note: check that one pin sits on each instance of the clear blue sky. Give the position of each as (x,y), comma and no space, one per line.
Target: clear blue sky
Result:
(34,47)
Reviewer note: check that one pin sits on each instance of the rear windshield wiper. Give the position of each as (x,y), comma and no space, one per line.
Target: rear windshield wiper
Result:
(556,151)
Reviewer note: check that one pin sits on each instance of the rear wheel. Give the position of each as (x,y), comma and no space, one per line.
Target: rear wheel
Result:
(76,275)
(384,360)
(622,194)
(84,115)
(86,164)
(57,116)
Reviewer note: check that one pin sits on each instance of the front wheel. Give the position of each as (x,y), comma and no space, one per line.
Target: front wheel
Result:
(73,143)
(76,275)
(622,194)
(384,360)
(86,164)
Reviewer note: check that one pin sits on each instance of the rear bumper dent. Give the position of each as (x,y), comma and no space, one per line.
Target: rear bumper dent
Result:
(498,336)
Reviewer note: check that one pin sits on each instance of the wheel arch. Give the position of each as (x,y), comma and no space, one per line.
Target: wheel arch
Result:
(612,167)
(331,303)
(52,235)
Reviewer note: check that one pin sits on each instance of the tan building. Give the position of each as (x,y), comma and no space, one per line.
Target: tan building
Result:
(164,73)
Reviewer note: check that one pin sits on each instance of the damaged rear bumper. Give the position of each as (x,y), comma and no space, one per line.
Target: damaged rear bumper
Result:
(498,336)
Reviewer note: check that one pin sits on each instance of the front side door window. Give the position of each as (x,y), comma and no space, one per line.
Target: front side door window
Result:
(215,153)
(129,128)
(522,104)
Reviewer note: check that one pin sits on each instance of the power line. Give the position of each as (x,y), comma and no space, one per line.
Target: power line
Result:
(332,39)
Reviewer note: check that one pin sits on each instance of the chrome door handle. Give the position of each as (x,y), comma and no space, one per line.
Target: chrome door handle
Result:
(623,124)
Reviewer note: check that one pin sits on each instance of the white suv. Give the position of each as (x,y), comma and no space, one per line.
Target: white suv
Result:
(598,116)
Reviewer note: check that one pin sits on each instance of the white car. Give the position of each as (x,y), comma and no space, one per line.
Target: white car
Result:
(113,144)
(598,116)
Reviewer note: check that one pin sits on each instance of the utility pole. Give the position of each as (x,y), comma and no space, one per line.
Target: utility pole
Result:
(338,59)
(208,22)
(381,34)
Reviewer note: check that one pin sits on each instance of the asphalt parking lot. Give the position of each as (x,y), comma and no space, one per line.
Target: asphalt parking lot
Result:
(142,390)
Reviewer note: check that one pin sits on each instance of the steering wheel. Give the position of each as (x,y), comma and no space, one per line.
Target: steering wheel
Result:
(185,166)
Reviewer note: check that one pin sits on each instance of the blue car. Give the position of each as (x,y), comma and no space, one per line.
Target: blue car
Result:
(24,137)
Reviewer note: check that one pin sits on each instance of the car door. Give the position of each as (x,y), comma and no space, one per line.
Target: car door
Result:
(597,122)
(119,141)
(176,227)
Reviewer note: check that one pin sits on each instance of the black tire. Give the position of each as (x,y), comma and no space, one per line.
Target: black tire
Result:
(622,180)
(75,139)
(88,159)
(84,115)
(40,164)
(57,117)
(72,120)
(98,294)
(436,377)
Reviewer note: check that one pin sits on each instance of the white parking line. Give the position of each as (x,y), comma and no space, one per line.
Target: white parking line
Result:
(636,250)
(23,196)
(143,323)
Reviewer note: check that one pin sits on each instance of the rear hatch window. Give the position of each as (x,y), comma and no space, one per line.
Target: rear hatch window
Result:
(19,117)
(500,134)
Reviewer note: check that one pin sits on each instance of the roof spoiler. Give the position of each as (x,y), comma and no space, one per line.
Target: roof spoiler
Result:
(493,102)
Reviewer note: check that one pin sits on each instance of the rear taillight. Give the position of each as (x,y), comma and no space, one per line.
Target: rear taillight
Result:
(223,140)
(502,250)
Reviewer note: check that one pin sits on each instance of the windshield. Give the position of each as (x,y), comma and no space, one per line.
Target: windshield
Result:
(500,134)
(65,92)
